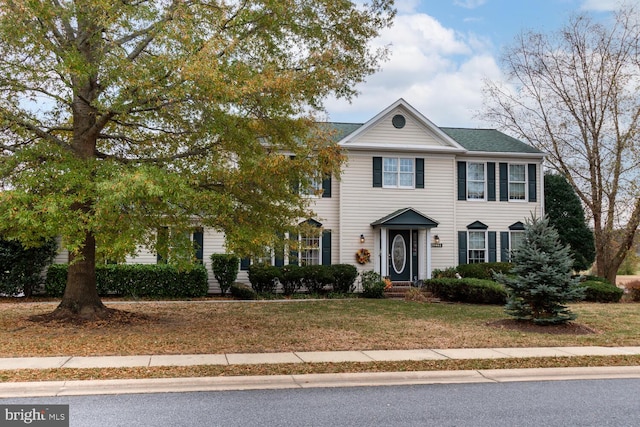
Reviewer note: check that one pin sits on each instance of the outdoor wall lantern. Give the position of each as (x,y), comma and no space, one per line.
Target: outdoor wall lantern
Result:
(436,242)
(362,238)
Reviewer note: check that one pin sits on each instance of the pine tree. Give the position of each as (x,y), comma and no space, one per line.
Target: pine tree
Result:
(540,283)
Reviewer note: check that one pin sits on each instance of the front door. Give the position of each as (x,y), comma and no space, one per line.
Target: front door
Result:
(399,255)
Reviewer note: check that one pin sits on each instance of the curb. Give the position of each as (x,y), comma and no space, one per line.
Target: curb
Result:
(277,382)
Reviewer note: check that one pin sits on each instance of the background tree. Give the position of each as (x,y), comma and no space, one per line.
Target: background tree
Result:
(540,283)
(566,215)
(574,95)
(119,117)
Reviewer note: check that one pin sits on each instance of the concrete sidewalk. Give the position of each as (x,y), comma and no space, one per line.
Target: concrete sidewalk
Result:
(80,362)
(177,385)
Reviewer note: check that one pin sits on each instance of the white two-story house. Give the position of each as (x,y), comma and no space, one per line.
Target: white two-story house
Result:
(416,197)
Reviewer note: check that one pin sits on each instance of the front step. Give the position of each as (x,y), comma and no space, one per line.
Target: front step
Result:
(400,289)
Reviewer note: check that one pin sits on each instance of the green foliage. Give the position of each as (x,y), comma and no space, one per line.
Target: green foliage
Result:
(483,270)
(22,269)
(240,291)
(137,280)
(631,263)
(372,285)
(316,277)
(151,113)
(344,277)
(467,290)
(291,278)
(264,278)
(449,273)
(601,291)
(566,215)
(225,270)
(540,283)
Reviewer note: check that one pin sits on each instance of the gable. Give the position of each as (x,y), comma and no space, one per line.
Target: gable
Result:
(407,217)
(398,128)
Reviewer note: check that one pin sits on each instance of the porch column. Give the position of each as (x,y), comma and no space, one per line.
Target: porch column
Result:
(384,263)
(424,262)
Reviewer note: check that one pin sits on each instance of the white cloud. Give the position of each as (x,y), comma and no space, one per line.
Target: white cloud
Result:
(469,4)
(436,69)
(601,5)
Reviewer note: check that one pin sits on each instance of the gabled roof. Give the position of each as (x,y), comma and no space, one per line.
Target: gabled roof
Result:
(406,217)
(461,140)
(488,140)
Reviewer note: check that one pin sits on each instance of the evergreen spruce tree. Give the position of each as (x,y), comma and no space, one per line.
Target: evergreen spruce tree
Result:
(540,283)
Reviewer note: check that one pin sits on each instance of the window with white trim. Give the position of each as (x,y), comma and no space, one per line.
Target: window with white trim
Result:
(477,249)
(517,182)
(309,249)
(398,172)
(476,179)
(516,239)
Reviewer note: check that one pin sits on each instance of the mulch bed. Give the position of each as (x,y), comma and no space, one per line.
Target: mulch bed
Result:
(568,328)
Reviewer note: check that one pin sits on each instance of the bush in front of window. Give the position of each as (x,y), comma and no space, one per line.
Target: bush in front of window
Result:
(483,270)
(137,280)
(467,290)
(225,270)
(344,277)
(291,278)
(264,278)
(316,277)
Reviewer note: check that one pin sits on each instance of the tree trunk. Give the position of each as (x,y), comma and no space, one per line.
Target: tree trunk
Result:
(81,300)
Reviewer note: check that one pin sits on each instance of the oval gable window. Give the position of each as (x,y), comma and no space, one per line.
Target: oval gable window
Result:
(398,121)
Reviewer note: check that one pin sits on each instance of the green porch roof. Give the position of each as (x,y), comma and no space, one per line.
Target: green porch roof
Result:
(406,217)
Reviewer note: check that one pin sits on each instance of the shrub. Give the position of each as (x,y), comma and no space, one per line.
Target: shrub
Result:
(634,290)
(137,280)
(291,278)
(483,270)
(468,290)
(449,273)
(372,285)
(316,277)
(344,277)
(225,270)
(21,269)
(240,291)
(264,278)
(601,291)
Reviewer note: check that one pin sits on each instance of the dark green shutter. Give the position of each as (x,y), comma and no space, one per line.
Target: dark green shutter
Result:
(377,171)
(198,244)
(279,250)
(162,245)
(245,263)
(419,173)
(504,182)
(326,187)
(462,247)
(491,181)
(492,247)
(462,182)
(504,246)
(532,183)
(326,247)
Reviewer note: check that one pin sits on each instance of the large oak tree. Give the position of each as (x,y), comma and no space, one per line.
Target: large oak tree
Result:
(574,94)
(121,116)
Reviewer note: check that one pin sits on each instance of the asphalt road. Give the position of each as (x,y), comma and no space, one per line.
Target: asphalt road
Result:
(551,403)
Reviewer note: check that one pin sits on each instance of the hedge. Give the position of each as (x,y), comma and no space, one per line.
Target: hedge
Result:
(137,280)
(483,270)
(600,290)
(474,291)
(315,278)
(21,269)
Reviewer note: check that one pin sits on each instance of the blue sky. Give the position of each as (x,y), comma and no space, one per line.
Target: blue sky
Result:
(441,50)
